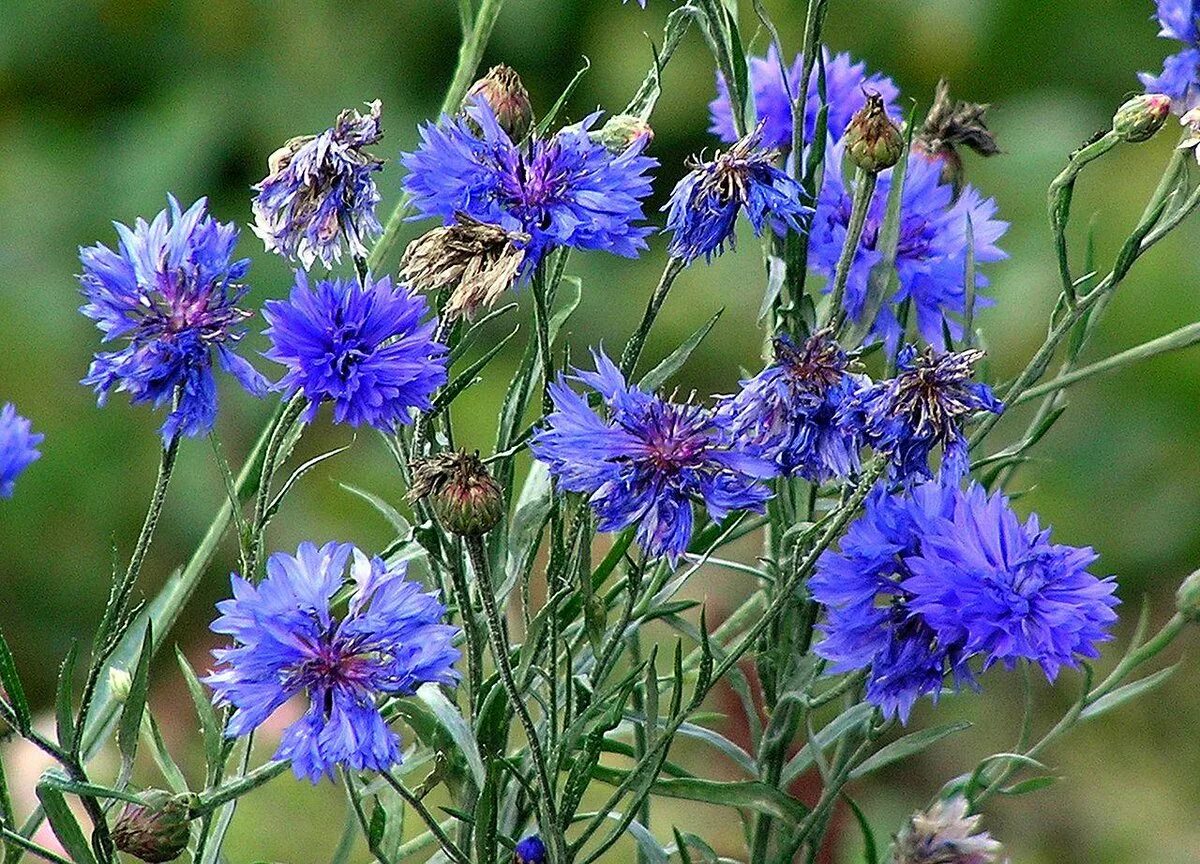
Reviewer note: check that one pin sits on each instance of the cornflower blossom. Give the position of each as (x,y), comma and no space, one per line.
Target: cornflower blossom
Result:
(320,195)
(846,86)
(566,190)
(704,206)
(791,412)
(646,460)
(931,257)
(362,346)
(169,292)
(1180,77)
(287,642)
(18,448)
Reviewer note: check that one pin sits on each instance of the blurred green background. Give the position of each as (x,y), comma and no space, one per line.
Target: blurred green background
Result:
(107,106)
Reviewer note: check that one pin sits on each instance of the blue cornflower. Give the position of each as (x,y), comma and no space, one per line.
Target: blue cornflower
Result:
(923,407)
(791,411)
(846,86)
(1180,78)
(170,291)
(287,642)
(565,190)
(870,623)
(931,258)
(646,461)
(363,347)
(999,588)
(18,448)
(704,206)
(321,192)
(531,850)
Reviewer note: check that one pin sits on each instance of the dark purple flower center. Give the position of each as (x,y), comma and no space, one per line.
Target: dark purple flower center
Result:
(675,437)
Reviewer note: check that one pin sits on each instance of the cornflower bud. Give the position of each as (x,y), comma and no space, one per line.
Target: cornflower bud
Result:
(1187,598)
(944,834)
(622,131)
(119,684)
(1141,117)
(504,93)
(873,142)
(155,830)
(464,496)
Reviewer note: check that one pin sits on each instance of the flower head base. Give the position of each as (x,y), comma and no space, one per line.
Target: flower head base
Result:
(18,448)
(531,850)
(320,192)
(945,834)
(1140,118)
(952,124)
(645,461)
(566,190)
(170,292)
(465,497)
(155,830)
(791,411)
(924,407)
(703,210)
(502,90)
(873,142)
(287,642)
(1180,78)
(622,131)
(846,84)
(477,261)
(362,347)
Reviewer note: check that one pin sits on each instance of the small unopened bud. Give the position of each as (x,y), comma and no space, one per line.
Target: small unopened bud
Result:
(155,830)
(873,142)
(1141,117)
(531,850)
(944,834)
(503,91)
(120,683)
(464,496)
(1187,598)
(622,131)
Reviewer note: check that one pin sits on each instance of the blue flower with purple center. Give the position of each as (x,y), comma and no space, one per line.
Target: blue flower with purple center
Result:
(365,347)
(791,412)
(846,86)
(1180,78)
(287,643)
(646,460)
(169,292)
(18,448)
(320,196)
(566,190)
(931,258)
(923,407)
(704,206)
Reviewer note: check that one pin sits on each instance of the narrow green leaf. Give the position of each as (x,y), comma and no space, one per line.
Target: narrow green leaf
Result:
(909,745)
(750,794)
(295,478)
(162,756)
(547,122)
(870,847)
(654,853)
(464,343)
(64,707)
(1033,784)
(14,689)
(210,726)
(62,821)
(130,723)
(57,781)
(851,719)
(467,377)
(390,513)
(674,361)
(452,721)
(1124,694)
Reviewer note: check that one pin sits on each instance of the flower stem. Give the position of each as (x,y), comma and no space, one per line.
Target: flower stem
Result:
(448,846)
(633,348)
(864,190)
(214,798)
(270,465)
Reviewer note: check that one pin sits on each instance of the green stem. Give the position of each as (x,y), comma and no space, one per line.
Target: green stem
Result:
(864,189)
(29,846)
(214,798)
(270,465)
(448,846)
(541,322)
(633,348)
(1059,202)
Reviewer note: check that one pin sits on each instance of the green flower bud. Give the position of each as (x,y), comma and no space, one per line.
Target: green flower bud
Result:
(502,89)
(1187,598)
(1141,117)
(463,495)
(622,131)
(155,830)
(873,142)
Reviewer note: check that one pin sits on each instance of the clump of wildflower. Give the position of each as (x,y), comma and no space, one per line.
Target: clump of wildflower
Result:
(477,261)
(363,347)
(1180,77)
(320,195)
(502,90)
(791,412)
(873,142)
(704,206)
(924,407)
(646,460)
(931,256)
(950,125)
(945,834)
(287,642)
(774,87)
(464,496)
(18,448)
(565,190)
(170,292)
(155,830)
(998,587)
(1140,118)
(531,850)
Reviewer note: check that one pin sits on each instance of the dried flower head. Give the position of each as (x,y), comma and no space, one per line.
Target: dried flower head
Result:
(464,496)
(873,142)
(155,830)
(950,124)
(478,261)
(502,90)
(944,834)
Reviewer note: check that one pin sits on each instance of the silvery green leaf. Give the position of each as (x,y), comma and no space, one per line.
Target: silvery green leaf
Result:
(909,745)
(452,721)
